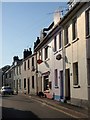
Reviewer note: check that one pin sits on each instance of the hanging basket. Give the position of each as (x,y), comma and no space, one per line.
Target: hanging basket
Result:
(39,61)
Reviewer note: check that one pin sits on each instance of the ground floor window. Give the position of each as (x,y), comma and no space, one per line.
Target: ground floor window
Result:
(20,84)
(33,82)
(50,85)
(56,77)
(46,82)
(75,73)
(88,70)
(14,84)
(24,83)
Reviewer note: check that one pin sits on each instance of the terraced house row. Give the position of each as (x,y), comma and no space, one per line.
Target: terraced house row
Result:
(60,62)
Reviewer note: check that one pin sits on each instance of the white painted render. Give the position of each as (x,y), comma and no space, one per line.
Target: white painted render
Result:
(75,51)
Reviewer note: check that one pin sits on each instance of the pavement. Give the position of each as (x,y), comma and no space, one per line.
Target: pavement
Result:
(73,111)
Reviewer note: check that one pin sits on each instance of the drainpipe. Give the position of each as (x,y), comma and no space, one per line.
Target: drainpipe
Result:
(63,55)
(36,76)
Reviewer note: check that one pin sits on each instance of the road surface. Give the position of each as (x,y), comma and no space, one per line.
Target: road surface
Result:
(19,106)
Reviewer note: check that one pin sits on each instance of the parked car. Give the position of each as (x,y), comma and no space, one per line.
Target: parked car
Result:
(6,90)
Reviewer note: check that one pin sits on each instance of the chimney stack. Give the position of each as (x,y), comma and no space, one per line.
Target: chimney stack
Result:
(26,53)
(57,17)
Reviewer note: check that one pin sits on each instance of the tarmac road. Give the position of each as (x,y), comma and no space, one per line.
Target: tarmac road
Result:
(18,106)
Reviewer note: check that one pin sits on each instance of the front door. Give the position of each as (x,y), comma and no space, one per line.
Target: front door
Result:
(61,84)
(67,84)
(16,86)
(46,82)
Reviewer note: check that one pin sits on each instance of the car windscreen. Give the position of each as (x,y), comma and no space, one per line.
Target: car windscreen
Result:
(7,88)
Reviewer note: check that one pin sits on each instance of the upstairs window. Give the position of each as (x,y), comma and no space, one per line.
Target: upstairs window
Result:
(14,71)
(66,35)
(9,74)
(46,53)
(88,22)
(32,61)
(17,70)
(60,39)
(55,44)
(6,75)
(40,54)
(74,29)
(20,69)
(28,64)
(24,65)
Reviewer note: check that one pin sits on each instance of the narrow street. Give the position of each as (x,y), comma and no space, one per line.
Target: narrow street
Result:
(18,106)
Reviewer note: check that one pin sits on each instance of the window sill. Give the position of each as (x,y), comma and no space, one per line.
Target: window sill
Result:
(47,59)
(88,86)
(55,52)
(56,87)
(67,45)
(76,86)
(76,39)
(60,49)
(88,36)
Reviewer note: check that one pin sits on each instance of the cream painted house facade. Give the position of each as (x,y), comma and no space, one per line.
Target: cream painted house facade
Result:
(17,73)
(65,56)
(29,75)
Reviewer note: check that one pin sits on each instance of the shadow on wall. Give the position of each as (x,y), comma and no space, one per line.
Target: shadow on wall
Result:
(11,113)
(47,65)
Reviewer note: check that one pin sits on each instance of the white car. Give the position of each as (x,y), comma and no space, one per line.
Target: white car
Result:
(7,90)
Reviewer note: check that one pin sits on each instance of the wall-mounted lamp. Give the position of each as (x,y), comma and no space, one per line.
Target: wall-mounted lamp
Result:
(58,57)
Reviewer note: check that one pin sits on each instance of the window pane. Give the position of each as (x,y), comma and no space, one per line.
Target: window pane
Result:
(74,29)
(88,22)
(20,84)
(66,36)
(55,44)
(88,70)
(75,73)
(28,64)
(60,39)
(24,83)
(32,61)
(56,77)
(32,81)
(24,65)
(46,53)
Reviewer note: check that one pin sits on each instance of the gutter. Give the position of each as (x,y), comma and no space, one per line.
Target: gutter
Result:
(68,15)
